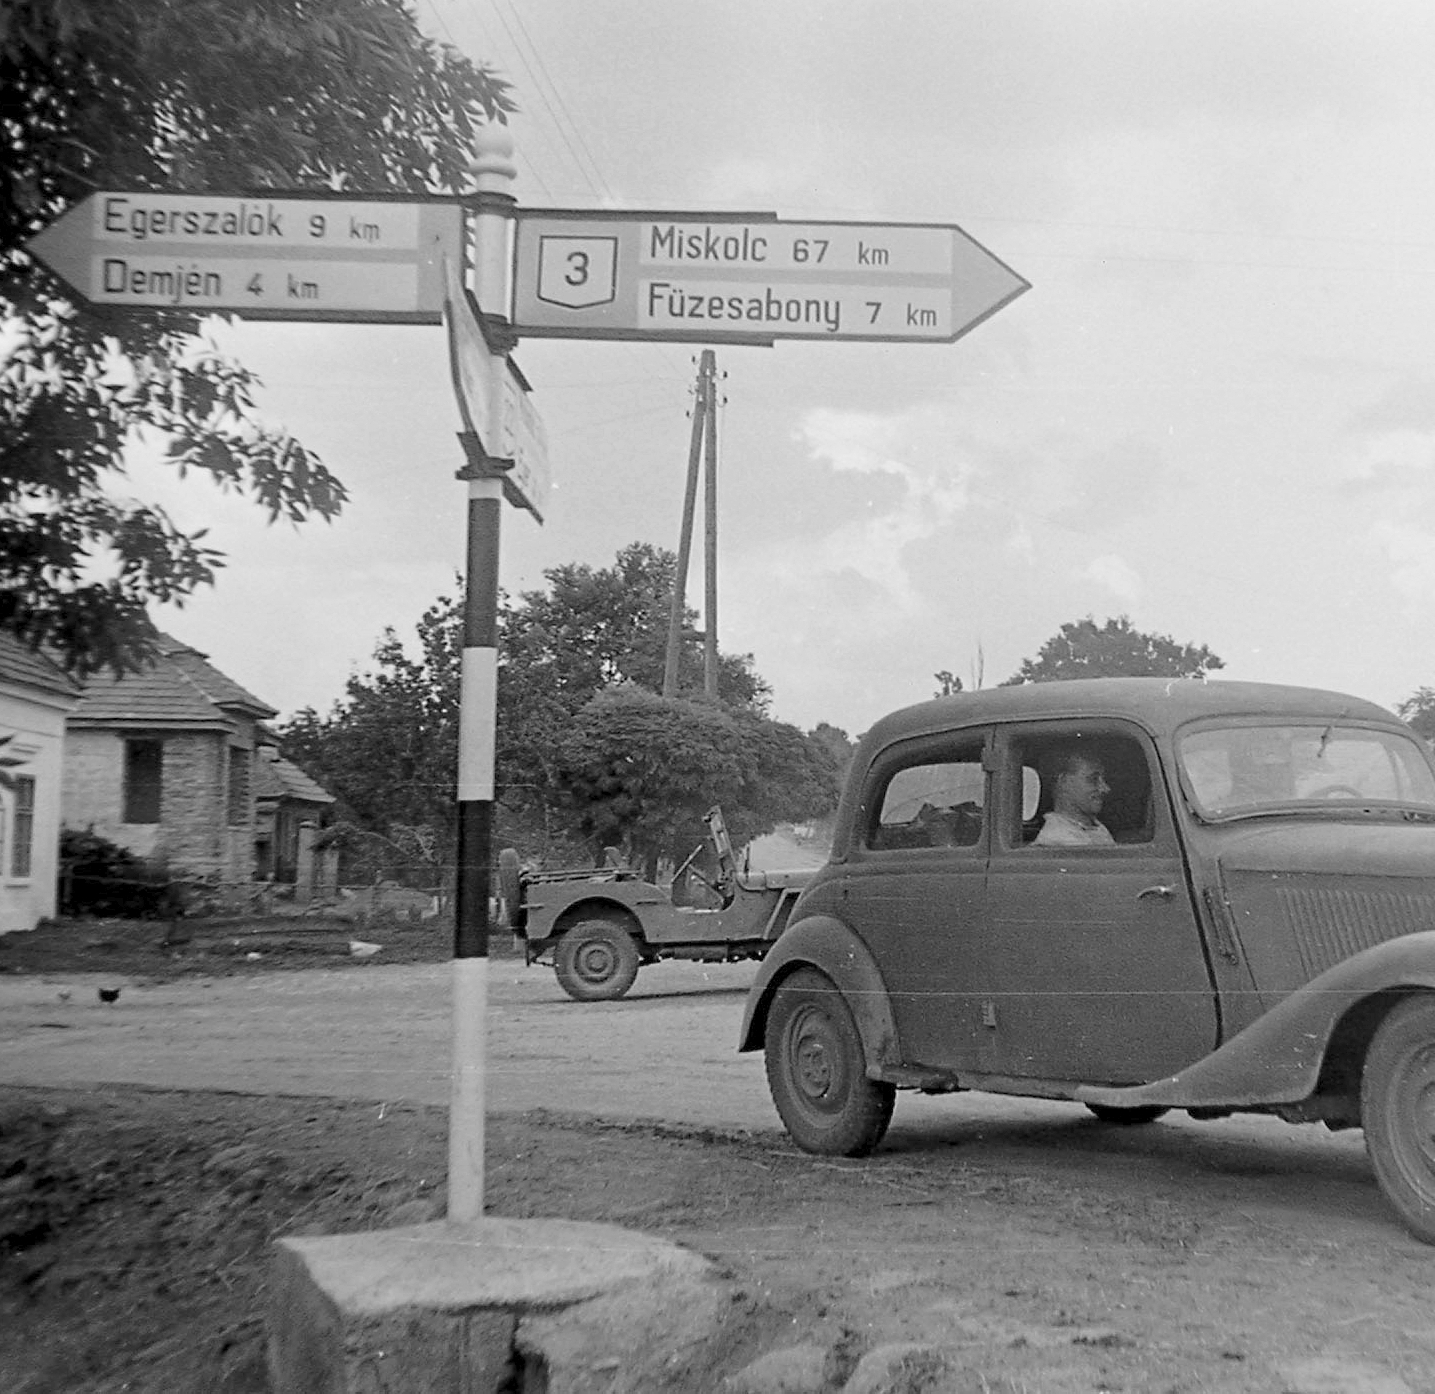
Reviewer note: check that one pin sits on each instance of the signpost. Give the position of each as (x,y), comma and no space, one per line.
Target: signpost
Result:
(750,278)
(365,258)
(375,259)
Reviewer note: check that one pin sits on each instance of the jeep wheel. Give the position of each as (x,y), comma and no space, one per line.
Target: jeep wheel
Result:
(1127,1117)
(596,961)
(1397,1111)
(815,1070)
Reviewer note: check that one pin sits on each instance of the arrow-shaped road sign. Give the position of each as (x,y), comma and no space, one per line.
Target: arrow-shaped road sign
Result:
(750,278)
(364,258)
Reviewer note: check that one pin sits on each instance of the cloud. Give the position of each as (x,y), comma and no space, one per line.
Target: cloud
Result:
(1411,552)
(1116,575)
(914,452)
(1390,459)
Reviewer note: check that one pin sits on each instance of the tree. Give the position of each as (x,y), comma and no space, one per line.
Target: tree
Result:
(204,96)
(1081,649)
(596,627)
(838,744)
(579,666)
(388,750)
(1419,710)
(638,771)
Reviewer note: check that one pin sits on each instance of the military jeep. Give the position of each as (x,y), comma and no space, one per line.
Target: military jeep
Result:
(599,925)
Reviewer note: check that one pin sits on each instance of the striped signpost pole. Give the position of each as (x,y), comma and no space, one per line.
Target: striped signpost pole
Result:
(480,377)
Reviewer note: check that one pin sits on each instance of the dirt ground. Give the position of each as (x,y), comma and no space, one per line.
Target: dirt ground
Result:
(135,1228)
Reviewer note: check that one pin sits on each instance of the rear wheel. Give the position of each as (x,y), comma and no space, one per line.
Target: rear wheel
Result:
(816,1073)
(596,961)
(1397,1111)
(1129,1117)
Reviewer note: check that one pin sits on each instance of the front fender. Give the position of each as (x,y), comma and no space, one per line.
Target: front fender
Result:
(1277,1058)
(826,944)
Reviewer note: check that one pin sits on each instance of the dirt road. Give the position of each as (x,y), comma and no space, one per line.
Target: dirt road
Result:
(1063,1253)
(666,1052)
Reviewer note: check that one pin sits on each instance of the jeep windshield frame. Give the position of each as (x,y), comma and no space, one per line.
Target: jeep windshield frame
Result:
(1232,769)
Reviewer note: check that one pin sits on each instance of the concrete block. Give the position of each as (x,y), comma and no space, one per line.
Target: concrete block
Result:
(438,1306)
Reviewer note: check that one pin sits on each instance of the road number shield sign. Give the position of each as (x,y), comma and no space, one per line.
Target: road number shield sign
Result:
(577,272)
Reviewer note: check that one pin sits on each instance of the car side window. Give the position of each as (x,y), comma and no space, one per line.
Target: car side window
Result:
(936,801)
(1108,767)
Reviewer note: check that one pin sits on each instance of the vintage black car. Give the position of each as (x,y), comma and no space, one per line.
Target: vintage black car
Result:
(1256,935)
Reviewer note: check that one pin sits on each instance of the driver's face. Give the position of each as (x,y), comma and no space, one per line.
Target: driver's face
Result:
(1083,788)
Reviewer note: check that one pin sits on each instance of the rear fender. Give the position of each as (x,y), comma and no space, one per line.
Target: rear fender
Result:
(827,945)
(1277,1059)
(545,930)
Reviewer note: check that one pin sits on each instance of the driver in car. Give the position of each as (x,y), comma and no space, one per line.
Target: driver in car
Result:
(1079,788)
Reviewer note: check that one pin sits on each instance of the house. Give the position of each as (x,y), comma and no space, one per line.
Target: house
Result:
(35,695)
(286,799)
(163,762)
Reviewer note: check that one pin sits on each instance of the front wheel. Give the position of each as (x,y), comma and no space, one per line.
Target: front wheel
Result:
(596,961)
(1397,1111)
(815,1070)
(1127,1117)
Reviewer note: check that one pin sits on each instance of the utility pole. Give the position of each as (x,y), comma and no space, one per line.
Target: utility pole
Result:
(704,431)
(710,655)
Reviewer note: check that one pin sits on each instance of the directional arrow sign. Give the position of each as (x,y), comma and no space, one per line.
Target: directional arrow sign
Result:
(750,278)
(365,258)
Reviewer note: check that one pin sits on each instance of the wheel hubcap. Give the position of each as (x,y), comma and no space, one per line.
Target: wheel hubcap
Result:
(1417,1091)
(815,1066)
(596,962)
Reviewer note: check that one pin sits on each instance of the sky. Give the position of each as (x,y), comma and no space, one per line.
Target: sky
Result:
(1213,412)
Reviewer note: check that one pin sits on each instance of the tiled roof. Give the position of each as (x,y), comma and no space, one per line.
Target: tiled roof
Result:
(276,778)
(180,689)
(20,663)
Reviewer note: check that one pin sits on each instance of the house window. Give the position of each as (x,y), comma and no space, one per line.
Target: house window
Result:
(24,836)
(144,765)
(238,785)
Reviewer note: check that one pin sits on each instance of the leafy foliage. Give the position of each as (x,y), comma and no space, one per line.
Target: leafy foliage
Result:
(639,771)
(588,753)
(597,627)
(388,748)
(1419,710)
(1084,649)
(99,877)
(185,96)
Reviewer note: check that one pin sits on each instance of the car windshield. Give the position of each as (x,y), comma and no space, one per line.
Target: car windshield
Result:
(1233,770)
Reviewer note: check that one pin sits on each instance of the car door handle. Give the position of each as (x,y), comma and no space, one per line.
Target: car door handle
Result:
(1160,892)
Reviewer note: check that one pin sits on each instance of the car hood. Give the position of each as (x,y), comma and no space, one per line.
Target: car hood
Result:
(1307,893)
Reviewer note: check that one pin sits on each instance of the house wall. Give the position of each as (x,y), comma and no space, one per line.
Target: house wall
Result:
(38,727)
(194,836)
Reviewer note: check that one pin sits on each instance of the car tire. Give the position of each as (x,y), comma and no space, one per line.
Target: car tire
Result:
(1128,1117)
(510,887)
(1397,1111)
(596,961)
(816,1071)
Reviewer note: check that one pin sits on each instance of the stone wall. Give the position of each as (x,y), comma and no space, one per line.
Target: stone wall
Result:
(194,836)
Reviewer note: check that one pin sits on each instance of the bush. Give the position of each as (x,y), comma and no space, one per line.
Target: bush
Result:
(99,877)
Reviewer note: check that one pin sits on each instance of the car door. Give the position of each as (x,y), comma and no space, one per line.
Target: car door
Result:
(1094,954)
(913,889)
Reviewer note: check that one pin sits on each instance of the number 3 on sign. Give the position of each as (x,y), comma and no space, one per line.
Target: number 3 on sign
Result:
(577,272)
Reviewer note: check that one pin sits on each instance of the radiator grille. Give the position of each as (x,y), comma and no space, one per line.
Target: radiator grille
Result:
(1328,926)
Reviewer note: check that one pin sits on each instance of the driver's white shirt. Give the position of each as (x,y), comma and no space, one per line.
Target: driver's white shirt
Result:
(1061,830)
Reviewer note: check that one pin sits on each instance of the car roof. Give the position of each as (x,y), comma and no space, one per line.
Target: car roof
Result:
(1160,704)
